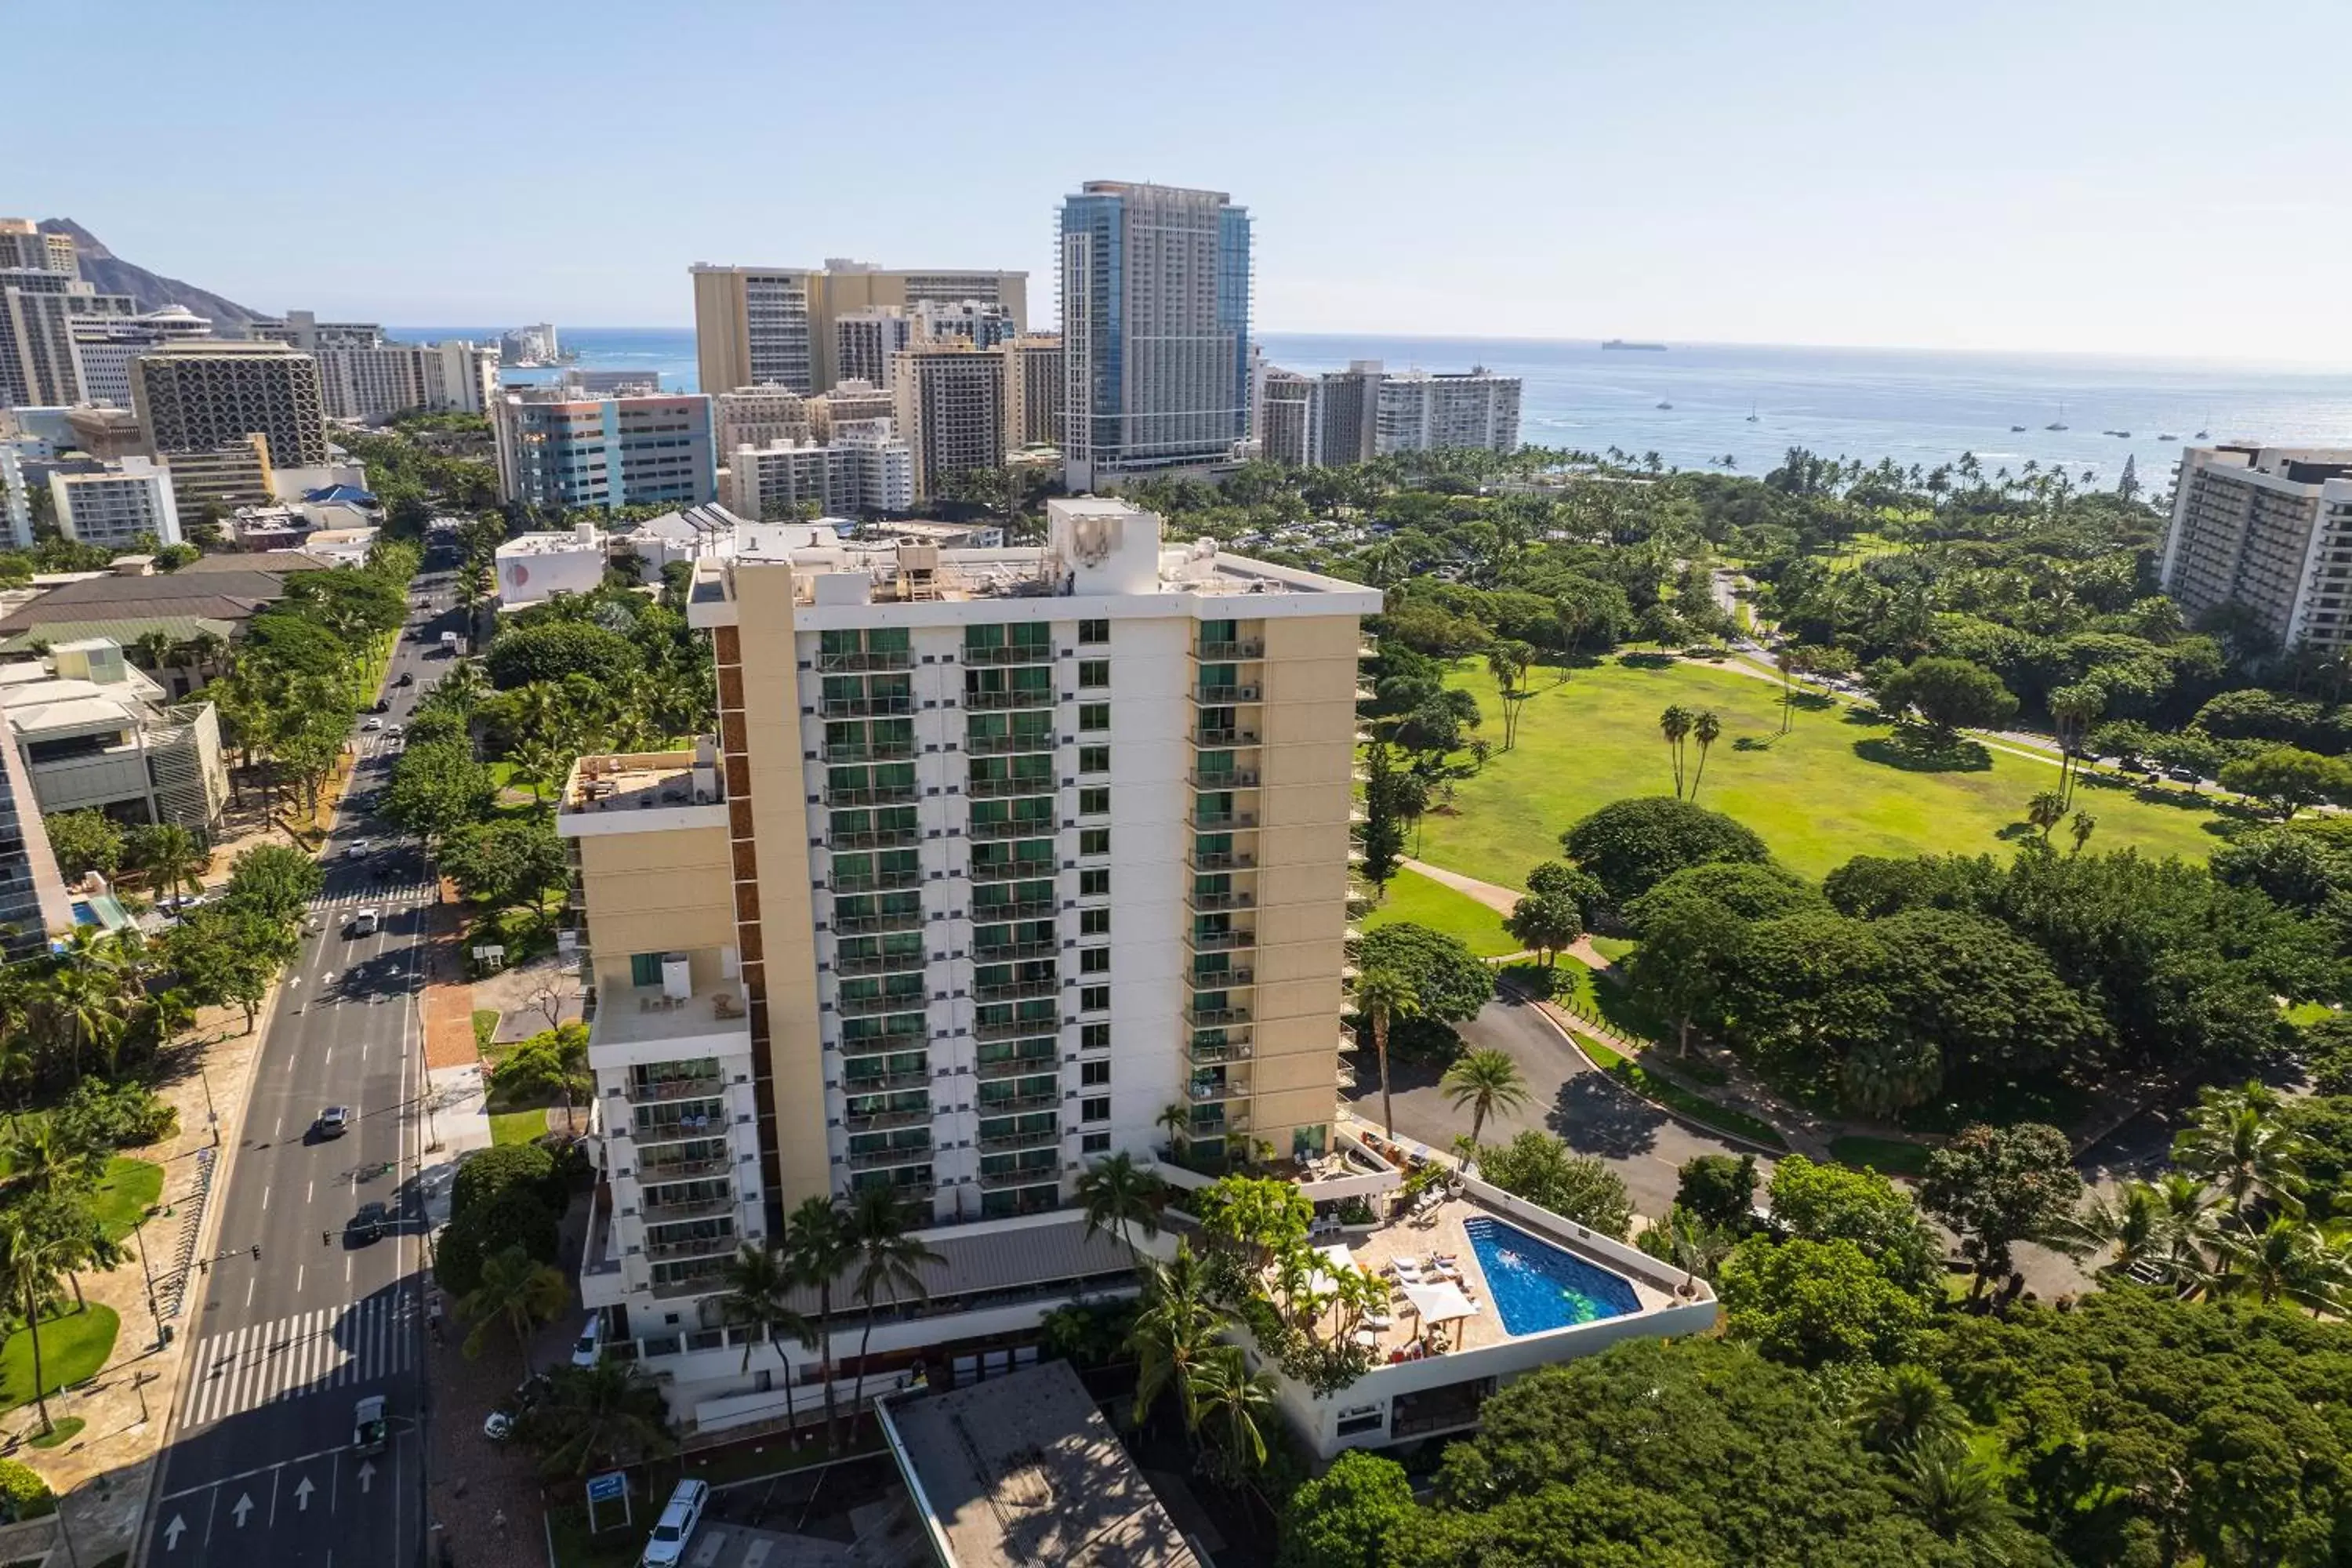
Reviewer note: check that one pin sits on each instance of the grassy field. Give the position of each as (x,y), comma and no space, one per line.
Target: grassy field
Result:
(73,1346)
(1413,897)
(518,1126)
(1887,1156)
(1835,787)
(127,1190)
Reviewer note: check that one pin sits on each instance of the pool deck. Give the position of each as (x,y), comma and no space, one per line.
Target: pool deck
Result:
(1441,1231)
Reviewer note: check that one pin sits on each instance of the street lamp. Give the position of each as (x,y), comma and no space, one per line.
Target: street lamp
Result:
(139,1239)
(212,1117)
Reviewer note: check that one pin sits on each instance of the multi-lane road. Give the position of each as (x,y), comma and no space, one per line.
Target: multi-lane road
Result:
(298,1315)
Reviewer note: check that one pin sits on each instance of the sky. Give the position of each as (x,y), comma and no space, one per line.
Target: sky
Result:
(2137,178)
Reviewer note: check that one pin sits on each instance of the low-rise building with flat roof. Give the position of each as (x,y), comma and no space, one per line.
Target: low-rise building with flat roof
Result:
(94,733)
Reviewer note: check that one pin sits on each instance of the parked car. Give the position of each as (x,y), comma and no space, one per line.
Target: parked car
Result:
(407,678)
(675,1528)
(589,1348)
(2181,776)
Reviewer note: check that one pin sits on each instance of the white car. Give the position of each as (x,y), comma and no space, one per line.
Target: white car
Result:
(372,724)
(676,1527)
(498,1426)
(357,849)
(589,1348)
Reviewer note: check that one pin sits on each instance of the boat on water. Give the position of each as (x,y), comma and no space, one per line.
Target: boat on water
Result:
(2124,434)
(1666,405)
(1628,343)
(1751,413)
(2059,423)
(2015,428)
(2168,436)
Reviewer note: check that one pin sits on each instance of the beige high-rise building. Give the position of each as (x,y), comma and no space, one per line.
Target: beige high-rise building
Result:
(953,410)
(2268,531)
(22,244)
(1036,377)
(204,394)
(759,416)
(776,325)
(848,403)
(1002,862)
(238,473)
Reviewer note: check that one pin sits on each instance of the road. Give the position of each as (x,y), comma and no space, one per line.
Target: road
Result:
(1567,1094)
(299,1316)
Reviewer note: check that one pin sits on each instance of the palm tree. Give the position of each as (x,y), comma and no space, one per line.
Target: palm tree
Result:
(519,1290)
(1486,1081)
(1674,724)
(171,856)
(1950,1491)
(1118,1195)
(1176,1324)
(1704,730)
(1507,662)
(759,1286)
(2288,1260)
(42,1159)
(31,1256)
(817,1243)
(1234,1405)
(2235,1140)
(2080,829)
(1385,995)
(889,1262)
(1907,1405)
(2045,811)
(610,1412)
(1176,1120)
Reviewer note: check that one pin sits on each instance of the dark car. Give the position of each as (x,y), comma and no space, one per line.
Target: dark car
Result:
(370,1222)
(407,678)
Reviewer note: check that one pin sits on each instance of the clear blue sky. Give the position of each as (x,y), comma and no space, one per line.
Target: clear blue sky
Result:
(2123,177)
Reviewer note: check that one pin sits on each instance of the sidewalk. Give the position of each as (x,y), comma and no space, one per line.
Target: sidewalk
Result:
(1503,900)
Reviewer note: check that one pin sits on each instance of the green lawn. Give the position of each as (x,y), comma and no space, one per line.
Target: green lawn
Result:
(1834,787)
(73,1346)
(518,1126)
(1415,898)
(1887,1156)
(129,1189)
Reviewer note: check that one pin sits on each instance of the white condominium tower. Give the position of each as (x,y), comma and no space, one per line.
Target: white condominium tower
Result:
(1003,862)
(2267,529)
(1155,329)
(775,326)
(1420,411)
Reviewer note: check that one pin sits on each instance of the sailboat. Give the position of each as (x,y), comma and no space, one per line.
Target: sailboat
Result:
(2209,419)
(2015,428)
(2059,423)
(1751,413)
(1666,405)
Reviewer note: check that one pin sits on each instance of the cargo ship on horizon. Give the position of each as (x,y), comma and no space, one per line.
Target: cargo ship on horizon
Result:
(1628,343)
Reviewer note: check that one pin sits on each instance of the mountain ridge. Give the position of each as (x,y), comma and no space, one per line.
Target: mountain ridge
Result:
(153,290)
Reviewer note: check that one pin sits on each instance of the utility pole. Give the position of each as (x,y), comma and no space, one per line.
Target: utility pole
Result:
(212,1117)
(139,1239)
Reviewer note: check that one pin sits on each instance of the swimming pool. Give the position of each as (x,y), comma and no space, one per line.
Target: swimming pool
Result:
(1537,1286)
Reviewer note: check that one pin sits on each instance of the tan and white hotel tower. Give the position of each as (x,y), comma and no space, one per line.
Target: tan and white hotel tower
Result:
(1002,861)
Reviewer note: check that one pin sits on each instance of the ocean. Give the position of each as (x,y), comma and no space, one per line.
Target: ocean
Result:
(1913,405)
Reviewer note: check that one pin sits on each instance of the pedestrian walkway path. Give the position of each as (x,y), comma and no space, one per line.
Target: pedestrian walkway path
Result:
(1502,901)
(295,1357)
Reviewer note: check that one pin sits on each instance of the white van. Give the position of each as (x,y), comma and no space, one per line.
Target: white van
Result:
(676,1527)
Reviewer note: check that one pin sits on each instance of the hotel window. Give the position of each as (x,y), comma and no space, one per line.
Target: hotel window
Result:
(1093,802)
(1093,759)
(1094,1075)
(1094,922)
(1094,716)
(1094,672)
(1094,631)
(1094,841)
(1094,1109)
(1093,960)
(1095,1143)
(1094,999)
(1094,884)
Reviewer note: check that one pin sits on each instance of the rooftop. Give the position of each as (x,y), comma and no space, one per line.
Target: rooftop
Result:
(634,1015)
(1022,1470)
(642,781)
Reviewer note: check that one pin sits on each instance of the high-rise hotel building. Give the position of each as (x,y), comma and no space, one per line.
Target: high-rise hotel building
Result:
(779,326)
(2267,531)
(1003,861)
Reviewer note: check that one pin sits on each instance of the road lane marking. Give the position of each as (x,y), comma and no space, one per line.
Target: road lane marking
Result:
(298,1278)
(265,1197)
(248,1289)
(309,1190)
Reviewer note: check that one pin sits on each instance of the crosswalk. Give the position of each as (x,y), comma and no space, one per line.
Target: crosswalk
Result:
(335,1348)
(400,893)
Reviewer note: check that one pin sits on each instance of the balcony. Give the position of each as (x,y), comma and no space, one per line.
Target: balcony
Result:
(1229,652)
(1006,745)
(874,925)
(696,1282)
(652,1173)
(884,707)
(1215,1017)
(1006,1142)
(991,953)
(1017,1066)
(1018,991)
(870,751)
(664,1210)
(1220,979)
(999,914)
(693,1247)
(874,1006)
(712,1123)
(1233,778)
(881,1159)
(867,659)
(1210,1091)
(701,1086)
(1225,738)
(888,963)
(1220,821)
(712,1015)
(1226,696)
(879,1083)
(1213,1056)
(1219,903)
(1006,702)
(875,838)
(1018,1029)
(904,1192)
(1046,1101)
(1231,1123)
(1008,653)
(873,795)
(1017,828)
(1003,789)
(1222,941)
(886,1046)
(882,1121)
(1010,870)
(877,881)
(1035,1175)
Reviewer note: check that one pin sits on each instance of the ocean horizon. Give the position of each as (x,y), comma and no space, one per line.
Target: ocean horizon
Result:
(1752,403)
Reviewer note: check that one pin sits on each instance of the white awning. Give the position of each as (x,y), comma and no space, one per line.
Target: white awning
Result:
(1440,1303)
(1338,1260)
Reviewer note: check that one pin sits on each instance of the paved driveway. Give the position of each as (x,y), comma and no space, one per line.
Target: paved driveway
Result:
(1567,1096)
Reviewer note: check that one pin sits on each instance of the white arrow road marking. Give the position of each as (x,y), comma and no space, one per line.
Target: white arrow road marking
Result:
(243,1507)
(173,1532)
(367,1473)
(302,1491)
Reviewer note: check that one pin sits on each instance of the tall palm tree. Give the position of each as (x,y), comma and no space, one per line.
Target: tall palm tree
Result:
(610,1412)
(32,1255)
(1176,1325)
(760,1285)
(1119,1196)
(1676,723)
(889,1262)
(1908,1405)
(1234,1407)
(1486,1081)
(2235,1140)
(1176,1120)
(171,856)
(1385,995)
(2288,1260)
(517,1289)
(41,1158)
(817,1244)
(1705,729)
